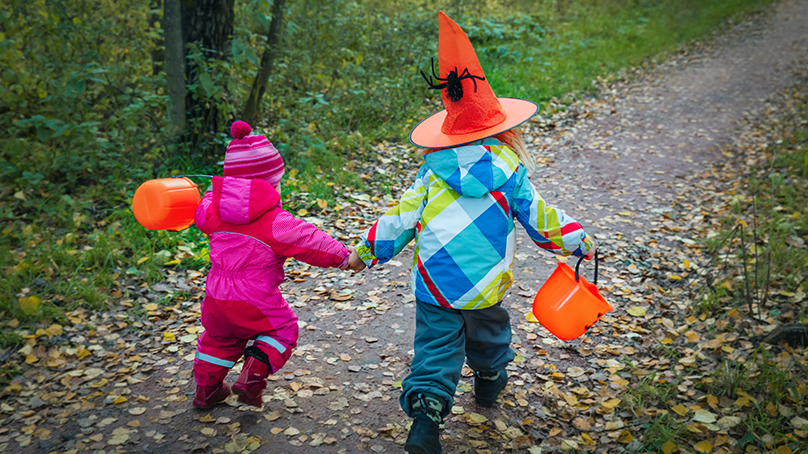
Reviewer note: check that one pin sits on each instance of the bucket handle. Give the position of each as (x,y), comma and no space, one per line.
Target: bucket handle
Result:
(577,265)
(186,176)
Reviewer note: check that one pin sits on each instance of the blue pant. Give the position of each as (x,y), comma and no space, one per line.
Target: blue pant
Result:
(444,338)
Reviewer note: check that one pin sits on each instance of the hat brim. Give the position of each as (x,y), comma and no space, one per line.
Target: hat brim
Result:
(427,134)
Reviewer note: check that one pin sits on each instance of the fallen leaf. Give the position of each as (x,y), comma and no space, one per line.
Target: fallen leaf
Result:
(637,311)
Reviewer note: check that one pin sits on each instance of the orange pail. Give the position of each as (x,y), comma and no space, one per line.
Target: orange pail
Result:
(567,304)
(166,203)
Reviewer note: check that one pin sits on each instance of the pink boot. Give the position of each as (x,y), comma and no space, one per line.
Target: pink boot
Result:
(208,396)
(252,381)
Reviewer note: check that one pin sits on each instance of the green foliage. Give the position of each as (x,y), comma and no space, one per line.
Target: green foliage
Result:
(81,105)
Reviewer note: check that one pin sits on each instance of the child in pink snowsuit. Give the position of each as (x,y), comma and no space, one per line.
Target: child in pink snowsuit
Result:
(250,238)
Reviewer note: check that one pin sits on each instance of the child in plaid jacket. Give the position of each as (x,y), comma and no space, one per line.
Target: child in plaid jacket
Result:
(460,210)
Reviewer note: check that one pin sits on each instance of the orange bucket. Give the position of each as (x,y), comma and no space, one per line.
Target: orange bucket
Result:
(166,203)
(567,304)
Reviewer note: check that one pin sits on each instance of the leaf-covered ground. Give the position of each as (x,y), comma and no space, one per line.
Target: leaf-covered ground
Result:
(653,167)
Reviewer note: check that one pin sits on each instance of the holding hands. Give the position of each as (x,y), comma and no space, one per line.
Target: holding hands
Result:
(354,264)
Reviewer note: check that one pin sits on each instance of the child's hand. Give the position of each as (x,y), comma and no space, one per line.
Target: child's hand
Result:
(591,253)
(354,264)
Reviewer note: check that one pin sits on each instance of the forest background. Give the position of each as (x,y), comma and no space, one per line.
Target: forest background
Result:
(92,105)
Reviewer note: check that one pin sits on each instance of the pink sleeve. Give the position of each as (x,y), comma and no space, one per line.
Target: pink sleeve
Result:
(292,237)
(200,215)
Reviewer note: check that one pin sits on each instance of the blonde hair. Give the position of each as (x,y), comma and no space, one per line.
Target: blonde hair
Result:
(513,139)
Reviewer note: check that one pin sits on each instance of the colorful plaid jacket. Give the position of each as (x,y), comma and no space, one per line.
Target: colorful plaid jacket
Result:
(460,210)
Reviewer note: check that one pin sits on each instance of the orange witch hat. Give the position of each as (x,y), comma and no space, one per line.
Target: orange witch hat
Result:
(472,110)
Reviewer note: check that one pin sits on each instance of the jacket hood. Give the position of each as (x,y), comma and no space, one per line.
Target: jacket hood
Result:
(474,170)
(243,200)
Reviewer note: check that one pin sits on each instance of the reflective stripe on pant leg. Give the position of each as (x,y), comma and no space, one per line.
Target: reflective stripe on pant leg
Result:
(214,360)
(273,343)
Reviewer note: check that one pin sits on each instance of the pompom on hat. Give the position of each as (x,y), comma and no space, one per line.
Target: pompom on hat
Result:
(472,110)
(252,156)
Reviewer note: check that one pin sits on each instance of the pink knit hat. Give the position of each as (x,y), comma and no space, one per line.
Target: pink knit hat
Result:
(252,156)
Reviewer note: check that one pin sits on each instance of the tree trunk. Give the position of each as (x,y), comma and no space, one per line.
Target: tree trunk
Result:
(209,23)
(175,64)
(259,86)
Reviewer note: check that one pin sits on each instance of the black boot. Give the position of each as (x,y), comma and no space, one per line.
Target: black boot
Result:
(487,386)
(427,411)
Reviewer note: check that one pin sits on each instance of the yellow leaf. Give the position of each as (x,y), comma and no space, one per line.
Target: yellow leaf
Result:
(784,450)
(30,305)
(150,307)
(322,203)
(692,336)
(207,418)
(587,439)
(667,341)
(54,330)
(531,318)
(143,259)
(703,446)
(169,337)
(99,383)
(625,213)
(477,418)
(742,402)
(668,447)
(83,353)
(31,359)
(625,437)
(173,262)
(676,277)
(680,409)
(610,404)
(686,264)
(302,212)
(637,311)
(119,400)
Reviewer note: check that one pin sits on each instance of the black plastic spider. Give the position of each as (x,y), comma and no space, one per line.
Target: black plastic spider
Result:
(452,82)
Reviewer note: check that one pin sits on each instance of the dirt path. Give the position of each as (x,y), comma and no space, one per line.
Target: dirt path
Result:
(623,168)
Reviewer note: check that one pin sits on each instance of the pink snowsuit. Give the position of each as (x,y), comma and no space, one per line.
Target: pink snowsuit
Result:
(250,238)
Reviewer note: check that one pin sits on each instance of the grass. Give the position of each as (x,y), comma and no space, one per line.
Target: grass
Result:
(778,393)
(772,210)
(772,379)
(82,261)
(594,39)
